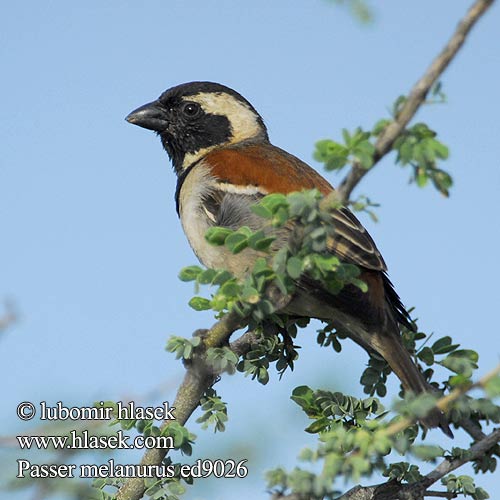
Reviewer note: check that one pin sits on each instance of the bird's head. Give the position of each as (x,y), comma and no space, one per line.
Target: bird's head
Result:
(194,118)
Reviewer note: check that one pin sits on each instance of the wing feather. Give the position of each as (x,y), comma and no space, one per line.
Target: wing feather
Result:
(272,170)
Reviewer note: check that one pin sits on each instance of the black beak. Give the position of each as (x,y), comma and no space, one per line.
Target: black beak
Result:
(151,116)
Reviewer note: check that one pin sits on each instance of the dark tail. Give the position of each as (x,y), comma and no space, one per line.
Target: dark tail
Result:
(399,359)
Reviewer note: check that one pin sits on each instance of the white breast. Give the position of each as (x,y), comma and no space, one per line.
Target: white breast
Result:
(194,218)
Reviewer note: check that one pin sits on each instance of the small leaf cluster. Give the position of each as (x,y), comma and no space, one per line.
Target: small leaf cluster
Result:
(165,488)
(464,485)
(302,483)
(237,240)
(364,204)
(357,148)
(462,362)
(99,493)
(182,347)
(307,252)
(437,94)
(348,449)
(221,359)
(168,488)
(418,147)
(182,438)
(327,408)
(416,406)
(275,345)
(374,377)
(214,411)
(245,296)
(349,453)
(403,472)
(329,336)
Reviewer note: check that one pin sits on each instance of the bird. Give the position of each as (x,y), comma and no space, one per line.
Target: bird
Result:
(220,150)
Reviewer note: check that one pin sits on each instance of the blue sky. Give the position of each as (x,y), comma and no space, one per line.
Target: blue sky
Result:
(91,242)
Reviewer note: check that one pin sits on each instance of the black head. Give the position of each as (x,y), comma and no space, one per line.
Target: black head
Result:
(194,118)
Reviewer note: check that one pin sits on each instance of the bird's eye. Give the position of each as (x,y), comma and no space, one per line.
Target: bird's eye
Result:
(191,109)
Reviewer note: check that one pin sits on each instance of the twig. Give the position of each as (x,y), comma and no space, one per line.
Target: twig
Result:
(418,490)
(475,451)
(444,403)
(416,97)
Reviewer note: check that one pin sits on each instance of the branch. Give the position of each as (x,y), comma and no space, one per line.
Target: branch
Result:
(418,490)
(198,378)
(416,97)
(475,451)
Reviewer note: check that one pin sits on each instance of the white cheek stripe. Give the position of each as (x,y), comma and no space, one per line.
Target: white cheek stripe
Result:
(238,189)
(243,120)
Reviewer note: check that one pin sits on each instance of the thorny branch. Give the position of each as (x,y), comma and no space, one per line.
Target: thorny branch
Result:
(416,97)
(199,376)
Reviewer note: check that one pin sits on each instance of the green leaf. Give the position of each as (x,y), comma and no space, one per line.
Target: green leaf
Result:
(332,154)
(200,304)
(236,242)
(398,104)
(463,362)
(294,267)
(346,136)
(304,397)
(259,241)
(427,452)
(421,177)
(360,284)
(217,235)
(190,273)
(270,204)
(426,355)
(176,488)
(318,425)
(441,150)
(206,276)
(250,295)
(380,126)
(230,289)
(442,181)
(443,346)
(221,277)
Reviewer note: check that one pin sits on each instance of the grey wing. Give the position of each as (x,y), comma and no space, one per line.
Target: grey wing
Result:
(234,211)
(351,242)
